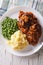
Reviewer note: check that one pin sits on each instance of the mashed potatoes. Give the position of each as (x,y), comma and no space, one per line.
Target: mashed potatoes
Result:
(18,40)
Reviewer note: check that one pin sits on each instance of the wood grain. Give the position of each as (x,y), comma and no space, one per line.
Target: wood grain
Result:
(8,59)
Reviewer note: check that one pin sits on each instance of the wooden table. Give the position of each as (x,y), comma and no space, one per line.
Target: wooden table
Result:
(8,59)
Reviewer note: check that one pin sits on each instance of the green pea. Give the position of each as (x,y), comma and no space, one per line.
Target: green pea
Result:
(9,26)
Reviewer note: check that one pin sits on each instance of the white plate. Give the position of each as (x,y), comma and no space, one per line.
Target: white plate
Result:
(13,13)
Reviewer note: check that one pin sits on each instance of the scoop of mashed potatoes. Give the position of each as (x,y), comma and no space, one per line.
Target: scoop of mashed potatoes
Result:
(18,40)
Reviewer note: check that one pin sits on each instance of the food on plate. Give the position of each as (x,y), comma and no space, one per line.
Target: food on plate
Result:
(9,26)
(26,30)
(29,25)
(18,40)
(34,34)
